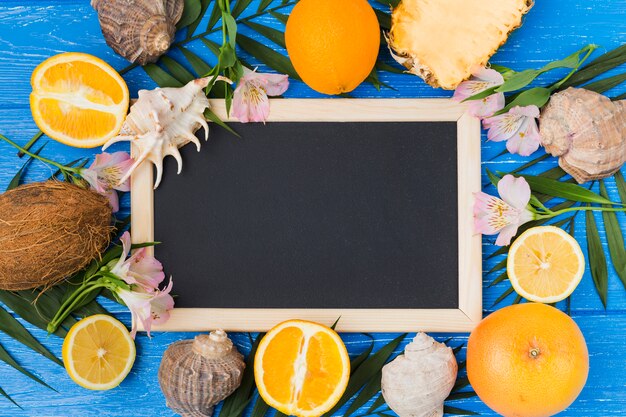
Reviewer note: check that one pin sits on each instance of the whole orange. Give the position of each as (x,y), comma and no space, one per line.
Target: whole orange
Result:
(333,44)
(527,360)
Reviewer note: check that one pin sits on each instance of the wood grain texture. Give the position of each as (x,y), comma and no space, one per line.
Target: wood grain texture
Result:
(31,31)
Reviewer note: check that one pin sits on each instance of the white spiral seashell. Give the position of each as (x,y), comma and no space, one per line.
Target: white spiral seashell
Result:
(163,120)
(416,383)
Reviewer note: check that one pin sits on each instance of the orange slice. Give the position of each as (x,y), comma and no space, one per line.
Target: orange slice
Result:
(98,352)
(545,264)
(301,368)
(78,99)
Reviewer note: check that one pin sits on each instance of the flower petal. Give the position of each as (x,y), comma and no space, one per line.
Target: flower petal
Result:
(514,191)
(506,234)
(528,111)
(486,106)
(503,126)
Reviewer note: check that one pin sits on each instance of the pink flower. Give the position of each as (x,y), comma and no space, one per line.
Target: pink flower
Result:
(104,175)
(493,215)
(140,269)
(147,308)
(518,127)
(250,102)
(481,80)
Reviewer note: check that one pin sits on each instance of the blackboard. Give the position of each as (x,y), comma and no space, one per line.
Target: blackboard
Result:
(310,215)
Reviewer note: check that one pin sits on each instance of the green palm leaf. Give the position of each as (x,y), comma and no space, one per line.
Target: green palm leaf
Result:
(8,359)
(8,397)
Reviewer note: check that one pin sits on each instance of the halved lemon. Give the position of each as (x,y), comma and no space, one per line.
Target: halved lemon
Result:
(545,264)
(78,99)
(301,368)
(98,352)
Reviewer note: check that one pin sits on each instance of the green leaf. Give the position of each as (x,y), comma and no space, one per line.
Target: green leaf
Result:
(260,408)
(282,17)
(391,3)
(17,178)
(272,34)
(232,406)
(25,310)
(502,296)
(458,411)
(621,186)
(503,276)
(380,400)
(460,383)
(191,11)
(366,372)
(564,190)
(14,329)
(382,66)
(204,5)
(240,6)
(334,326)
(600,65)
(606,84)
(160,76)
(369,390)
(597,260)
(30,143)
(620,97)
(384,19)
(537,96)
(8,359)
(231,28)
(460,395)
(270,57)
(200,67)
(614,239)
(216,14)
(213,47)
(178,71)
(356,362)
(8,397)
(264,4)
(209,115)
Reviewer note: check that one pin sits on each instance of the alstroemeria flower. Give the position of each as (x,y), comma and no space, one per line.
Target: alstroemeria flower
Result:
(518,127)
(104,175)
(147,308)
(494,215)
(250,102)
(481,80)
(140,269)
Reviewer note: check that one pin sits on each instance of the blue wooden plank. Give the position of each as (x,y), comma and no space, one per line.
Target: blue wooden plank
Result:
(32,31)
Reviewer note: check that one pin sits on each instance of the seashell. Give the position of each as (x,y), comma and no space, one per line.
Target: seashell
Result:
(417,383)
(587,131)
(163,120)
(139,30)
(197,374)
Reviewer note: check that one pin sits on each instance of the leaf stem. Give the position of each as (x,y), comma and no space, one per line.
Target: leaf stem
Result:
(73,301)
(551,214)
(555,86)
(63,168)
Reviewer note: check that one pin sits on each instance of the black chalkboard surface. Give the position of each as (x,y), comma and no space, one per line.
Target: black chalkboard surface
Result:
(338,207)
(314,215)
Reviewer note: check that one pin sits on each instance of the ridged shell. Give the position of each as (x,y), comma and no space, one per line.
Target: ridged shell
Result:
(163,120)
(587,131)
(139,30)
(417,383)
(197,374)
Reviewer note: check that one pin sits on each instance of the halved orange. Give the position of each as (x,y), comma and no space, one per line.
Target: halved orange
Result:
(98,352)
(301,368)
(78,99)
(545,264)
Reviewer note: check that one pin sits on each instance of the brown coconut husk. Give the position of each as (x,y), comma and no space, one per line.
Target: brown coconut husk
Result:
(49,231)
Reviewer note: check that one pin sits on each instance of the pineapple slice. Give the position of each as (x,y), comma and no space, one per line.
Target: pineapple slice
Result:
(443,40)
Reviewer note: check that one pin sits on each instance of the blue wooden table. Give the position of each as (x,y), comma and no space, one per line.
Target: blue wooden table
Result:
(33,30)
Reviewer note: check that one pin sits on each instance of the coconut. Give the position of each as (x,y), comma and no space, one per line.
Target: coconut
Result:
(49,231)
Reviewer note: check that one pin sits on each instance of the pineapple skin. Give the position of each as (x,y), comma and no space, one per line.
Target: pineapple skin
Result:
(440,40)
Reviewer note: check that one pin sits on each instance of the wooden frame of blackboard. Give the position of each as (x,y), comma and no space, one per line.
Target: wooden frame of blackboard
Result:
(462,319)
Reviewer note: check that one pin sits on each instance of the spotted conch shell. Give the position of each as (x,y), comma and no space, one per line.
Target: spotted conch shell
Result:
(417,383)
(195,375)
(139,30)
(163,120)
(587,131)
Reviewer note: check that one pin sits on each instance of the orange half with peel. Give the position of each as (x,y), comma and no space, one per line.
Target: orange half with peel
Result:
(301,368)
(78,99)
